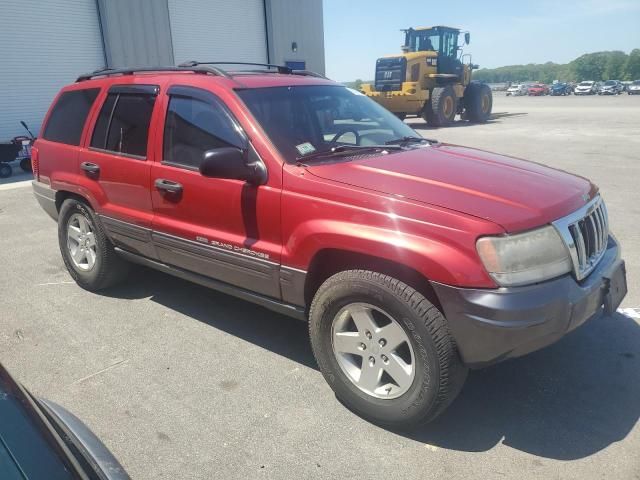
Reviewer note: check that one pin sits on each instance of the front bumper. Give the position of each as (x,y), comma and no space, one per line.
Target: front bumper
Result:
(493,325)
(410,99)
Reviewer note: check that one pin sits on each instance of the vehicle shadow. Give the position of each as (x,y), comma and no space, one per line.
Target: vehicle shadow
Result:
(565,402)
(277,333)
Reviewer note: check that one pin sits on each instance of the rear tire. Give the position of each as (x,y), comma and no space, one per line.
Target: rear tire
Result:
(437,373)
(87,252)
(478,102)
(25,165)
(441,109)
(5,170)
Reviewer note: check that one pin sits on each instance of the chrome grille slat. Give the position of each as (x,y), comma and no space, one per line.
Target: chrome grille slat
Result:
(585,233)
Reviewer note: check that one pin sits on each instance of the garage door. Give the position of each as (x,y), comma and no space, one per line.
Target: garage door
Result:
(43,46)
(218,30)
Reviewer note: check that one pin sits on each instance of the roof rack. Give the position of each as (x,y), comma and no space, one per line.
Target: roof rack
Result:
(131,70)
(279,68)
(206,68)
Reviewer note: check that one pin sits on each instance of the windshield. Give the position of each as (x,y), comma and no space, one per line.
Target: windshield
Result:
(586,84)
(304,120)
(636,82)
(609,82)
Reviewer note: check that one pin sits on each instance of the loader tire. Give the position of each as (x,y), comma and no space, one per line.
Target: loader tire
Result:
(441,108)
(478,102)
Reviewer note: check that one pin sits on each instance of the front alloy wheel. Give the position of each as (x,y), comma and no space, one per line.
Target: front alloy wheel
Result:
(373,350)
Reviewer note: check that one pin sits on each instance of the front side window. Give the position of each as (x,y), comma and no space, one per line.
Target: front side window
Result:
(68,116)
(123,123)
(308,119)
(196,122)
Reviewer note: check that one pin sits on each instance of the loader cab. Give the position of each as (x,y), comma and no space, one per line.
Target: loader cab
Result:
(443,41)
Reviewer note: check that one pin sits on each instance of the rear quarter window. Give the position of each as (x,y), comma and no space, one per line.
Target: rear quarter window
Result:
(68,116)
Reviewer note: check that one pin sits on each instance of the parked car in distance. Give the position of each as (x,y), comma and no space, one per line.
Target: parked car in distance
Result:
(412,260)
(611,87)
(517,90)
(634,88)
(560,89)
(586,88)
(40,439)
(537,89)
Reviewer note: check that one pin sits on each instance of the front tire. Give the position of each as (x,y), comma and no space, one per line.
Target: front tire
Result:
(87,252)
(441,109)
(5,170)
(384,349)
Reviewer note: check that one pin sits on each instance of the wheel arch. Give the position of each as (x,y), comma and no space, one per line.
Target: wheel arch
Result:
(329,261)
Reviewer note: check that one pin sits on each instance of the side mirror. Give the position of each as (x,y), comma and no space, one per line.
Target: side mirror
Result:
(467,38)
(231,163)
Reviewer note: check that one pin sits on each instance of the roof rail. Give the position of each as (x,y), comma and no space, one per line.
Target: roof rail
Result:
(280,68)
(131,70)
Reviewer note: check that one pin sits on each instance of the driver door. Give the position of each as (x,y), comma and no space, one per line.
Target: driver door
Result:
(220,228)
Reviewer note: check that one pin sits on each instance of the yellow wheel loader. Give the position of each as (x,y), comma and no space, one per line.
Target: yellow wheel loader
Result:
(431,79)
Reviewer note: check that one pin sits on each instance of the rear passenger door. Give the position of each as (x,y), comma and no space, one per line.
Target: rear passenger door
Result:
(117,165)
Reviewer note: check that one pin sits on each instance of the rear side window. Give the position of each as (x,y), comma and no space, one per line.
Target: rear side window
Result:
(123,123)
(68,116)
(197,121)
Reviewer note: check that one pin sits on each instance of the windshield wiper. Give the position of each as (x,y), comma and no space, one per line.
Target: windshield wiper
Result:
(407,140)
(345,149)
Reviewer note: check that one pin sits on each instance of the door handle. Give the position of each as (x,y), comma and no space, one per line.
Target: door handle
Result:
(91,168)
(168,186)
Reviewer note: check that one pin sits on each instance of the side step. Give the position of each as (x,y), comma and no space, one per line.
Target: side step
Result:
(266,302)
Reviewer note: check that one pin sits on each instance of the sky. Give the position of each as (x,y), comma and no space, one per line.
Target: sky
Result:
(514,32)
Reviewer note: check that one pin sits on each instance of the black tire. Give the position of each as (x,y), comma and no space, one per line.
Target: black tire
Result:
(109,268)
(441,108)
(25,165)
(439,372)
(478,102)
(5,170)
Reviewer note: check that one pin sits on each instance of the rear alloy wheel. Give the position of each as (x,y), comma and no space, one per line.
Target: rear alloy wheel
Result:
(440,110)
(478,102)
(384,349)
(87,252)
(5,170)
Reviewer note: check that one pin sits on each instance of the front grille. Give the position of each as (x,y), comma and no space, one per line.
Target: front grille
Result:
(586,233)
(390,73)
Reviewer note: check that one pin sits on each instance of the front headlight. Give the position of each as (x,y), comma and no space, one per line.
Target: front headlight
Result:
(524,258)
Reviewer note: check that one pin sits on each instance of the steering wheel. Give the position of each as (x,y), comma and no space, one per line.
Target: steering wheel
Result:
(342,131)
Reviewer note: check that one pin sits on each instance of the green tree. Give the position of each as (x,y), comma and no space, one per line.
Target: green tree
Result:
(615,69)
(632,67)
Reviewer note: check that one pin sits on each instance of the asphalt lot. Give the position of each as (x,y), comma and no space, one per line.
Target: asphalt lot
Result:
(181,382)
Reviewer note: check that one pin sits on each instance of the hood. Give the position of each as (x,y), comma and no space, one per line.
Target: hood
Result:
(516,194)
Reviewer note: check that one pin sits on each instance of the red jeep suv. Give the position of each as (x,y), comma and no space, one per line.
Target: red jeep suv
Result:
(411,259)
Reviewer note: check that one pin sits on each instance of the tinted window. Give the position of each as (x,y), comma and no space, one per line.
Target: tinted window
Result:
(99,138)
(123,124)
(67,118)
(195,125)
